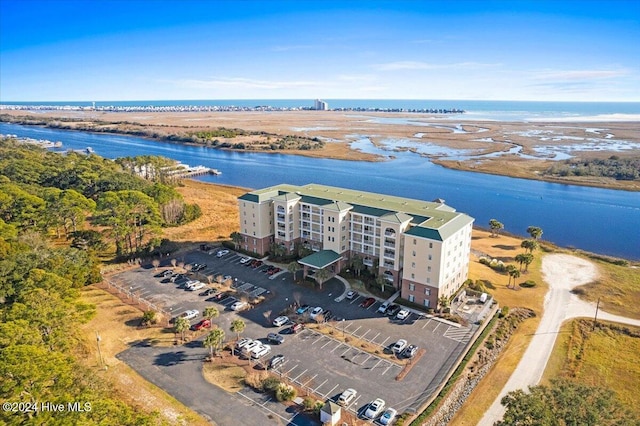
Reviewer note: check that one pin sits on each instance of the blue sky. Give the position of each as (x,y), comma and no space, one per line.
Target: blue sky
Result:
(88,50)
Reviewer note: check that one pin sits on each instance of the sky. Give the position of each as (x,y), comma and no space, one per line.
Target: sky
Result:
(98,50)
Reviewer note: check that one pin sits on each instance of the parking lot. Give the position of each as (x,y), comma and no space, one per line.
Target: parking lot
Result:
(322,364)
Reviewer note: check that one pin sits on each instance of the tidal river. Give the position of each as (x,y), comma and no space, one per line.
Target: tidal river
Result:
(597,220)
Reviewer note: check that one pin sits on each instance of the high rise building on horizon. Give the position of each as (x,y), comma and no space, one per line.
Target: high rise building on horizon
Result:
(320,105)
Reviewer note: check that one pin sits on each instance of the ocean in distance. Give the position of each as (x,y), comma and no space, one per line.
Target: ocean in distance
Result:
(474,109)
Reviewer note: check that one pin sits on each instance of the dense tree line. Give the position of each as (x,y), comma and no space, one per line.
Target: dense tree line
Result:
(46,192)
(612,167)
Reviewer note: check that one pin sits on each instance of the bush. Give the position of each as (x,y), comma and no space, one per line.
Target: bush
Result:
(528,284)
(271,383)
(256,380)
(285,392)
(504,311)
(149,318)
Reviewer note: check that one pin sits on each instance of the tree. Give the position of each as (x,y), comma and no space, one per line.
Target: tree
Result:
(214,340)
(528,258)
(382,282)
(211,312)
(495,227)
(535,232)
(236,237)
(564,403)
(529,245)
(520,259)
(515,274)
(509,269)
(237,326)
(443,303)
(357,263)
(321,276)
(181,326)
(293,268)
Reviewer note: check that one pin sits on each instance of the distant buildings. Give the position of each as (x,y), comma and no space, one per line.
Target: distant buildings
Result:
(320,105)
(421,248)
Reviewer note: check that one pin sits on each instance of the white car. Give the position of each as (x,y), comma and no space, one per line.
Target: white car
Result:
(403,314)
(388,416)
(245,260)
(347,396)
(351,294)
(315,312)
(227,277)
(191,283)
(196,287)
(239,306)
(190,314)
(260,351)
(374,408)
(399,346)
(280,321)
(383,308)
(243,342)
(250,346)
(222,253)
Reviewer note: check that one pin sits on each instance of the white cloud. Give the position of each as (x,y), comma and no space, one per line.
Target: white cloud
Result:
(575,75)
(243,83)
(417,65)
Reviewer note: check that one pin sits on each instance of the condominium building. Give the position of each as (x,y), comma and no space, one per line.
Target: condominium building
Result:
(320,105)
(421,248)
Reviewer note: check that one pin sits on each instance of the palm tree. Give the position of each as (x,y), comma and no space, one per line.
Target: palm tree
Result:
(529,245)
(535,232)
(520,258)
(182,325)
(237,326)
(214,340)
(495,227)
(293,267)
(528,258)
(514,274)
(357,264)
(237,238)
(211,312)
(509,269)
(321,276)
(443,302)
(382,282)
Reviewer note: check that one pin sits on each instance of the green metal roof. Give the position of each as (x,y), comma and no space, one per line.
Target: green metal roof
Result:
(320,259)
(337,206)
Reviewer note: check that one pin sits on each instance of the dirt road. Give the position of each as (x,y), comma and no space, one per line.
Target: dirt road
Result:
(562,272)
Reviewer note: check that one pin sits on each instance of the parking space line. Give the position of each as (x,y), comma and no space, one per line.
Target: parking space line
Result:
(377,363)
(329,341)
(370,306)
(385,371)
(384,341)
(437,325)
(368,357)
(374,337)
(354,331)
(426,324)
(348,349)
(336,347)
(318,387)
(355,299)
(354,403)
(300,375)
(332,389)
(365,333)
(310,380)
(292,369)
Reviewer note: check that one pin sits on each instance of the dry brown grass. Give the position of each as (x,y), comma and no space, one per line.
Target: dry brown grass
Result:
(111,323)
(226,375)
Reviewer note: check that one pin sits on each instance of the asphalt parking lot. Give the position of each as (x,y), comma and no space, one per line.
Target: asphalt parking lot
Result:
(320,363)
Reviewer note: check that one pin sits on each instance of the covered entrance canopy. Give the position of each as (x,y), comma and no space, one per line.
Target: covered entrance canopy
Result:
(320,259)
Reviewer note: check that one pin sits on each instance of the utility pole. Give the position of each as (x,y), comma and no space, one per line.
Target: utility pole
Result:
(99,352)
(595,318)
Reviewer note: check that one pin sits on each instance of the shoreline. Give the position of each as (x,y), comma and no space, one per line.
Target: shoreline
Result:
(490,154)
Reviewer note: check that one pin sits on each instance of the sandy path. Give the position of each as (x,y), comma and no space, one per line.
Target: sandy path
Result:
(562,272)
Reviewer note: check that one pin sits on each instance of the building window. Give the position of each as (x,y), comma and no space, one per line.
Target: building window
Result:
(430,245)
(412,298)
(414,241)
(429,257)
(428,280)
(427,291)
(413,264)
(426,303)
(412,286)
(413,253)
(428,268)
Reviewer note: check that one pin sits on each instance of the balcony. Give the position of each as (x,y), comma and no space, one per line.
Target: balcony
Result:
(390,243)
(368,262)
(388,264)
(305,208)
(391,234)
(281,217)
(280,209)
(390,254)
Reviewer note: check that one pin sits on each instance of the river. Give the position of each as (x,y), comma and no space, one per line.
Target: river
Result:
(593,219)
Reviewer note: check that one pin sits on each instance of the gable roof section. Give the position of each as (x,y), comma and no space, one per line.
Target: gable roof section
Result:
(320,259)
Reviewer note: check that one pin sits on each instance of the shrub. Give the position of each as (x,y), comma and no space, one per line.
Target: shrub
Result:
(528,284)
(271,383)
(256,380)
(308,404)
(149,317)
(483,260)
(285,392)
(504,311)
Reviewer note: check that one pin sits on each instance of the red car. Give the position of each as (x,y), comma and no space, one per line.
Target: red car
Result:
(296,327)
(368,302)
(205,323)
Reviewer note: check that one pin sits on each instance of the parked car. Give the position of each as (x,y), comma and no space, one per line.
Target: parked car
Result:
(245,260)
(222,253)
(174,278)
(217,295)
(250,346)
(239,306)
(191,283)
(205,323)
(399,346)
(198,267)
(347,396)
(190,314)
(227,277)
(393,310)
(207,292)
(315,312)
(388,416)
(196,287)
(260,351)
(243,342)
(167,273)
(275,338)
(327,315)
(367,302)
(280,321)
(410,351)
(403,314)
(276,361)
(352,294)
(296,328)
(383,308)
(302,309)
(374,408)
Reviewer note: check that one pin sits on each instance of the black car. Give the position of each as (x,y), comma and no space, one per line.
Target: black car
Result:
(410,351)
(393,310)
(207,292)
(216,296)
(275,338)
(327,315)
(276,361)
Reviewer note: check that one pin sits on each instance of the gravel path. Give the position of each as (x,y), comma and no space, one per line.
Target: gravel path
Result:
(562,272)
